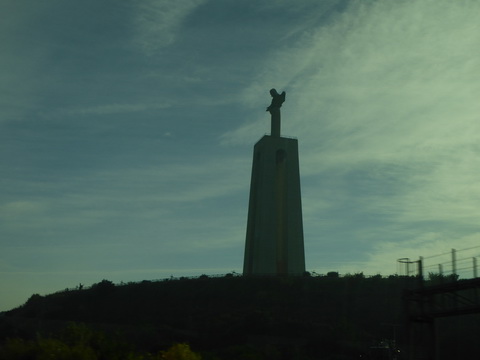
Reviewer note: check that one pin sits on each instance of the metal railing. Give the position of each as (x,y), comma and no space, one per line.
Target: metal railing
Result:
(455,264)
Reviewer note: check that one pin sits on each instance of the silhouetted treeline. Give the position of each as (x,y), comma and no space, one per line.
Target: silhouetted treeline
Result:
(231,317)
(79,342)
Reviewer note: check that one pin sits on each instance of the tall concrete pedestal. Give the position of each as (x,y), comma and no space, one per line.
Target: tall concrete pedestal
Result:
(274,240)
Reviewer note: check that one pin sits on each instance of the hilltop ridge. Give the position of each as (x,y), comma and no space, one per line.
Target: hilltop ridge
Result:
(307,314)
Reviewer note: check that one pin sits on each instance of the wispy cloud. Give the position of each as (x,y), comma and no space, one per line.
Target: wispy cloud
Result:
(153,194)
(386,95)
(157,21)
(114,109)
(137,130)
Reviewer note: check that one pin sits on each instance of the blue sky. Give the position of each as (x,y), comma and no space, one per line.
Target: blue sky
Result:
(127,131)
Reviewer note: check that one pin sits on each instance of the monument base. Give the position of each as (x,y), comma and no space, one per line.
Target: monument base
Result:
(274,241)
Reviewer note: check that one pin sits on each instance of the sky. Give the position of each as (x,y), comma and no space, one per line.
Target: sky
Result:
(127,131)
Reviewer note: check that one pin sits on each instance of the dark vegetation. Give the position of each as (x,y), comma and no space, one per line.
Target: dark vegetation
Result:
(230,317)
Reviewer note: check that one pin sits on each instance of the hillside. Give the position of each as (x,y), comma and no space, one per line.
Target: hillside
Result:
(230,315)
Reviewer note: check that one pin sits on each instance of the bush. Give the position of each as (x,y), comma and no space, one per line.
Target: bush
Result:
(180,352)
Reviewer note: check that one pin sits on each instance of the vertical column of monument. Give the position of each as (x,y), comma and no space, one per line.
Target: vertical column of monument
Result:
(274,239)
(296,251)
(281,220)
(276,116)
(280,189)
(253,212)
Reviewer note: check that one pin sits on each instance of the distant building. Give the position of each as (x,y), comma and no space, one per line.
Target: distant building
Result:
(274,240)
